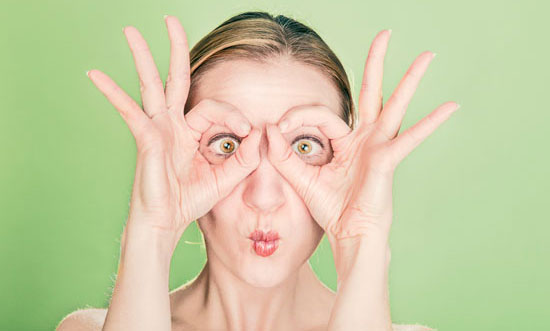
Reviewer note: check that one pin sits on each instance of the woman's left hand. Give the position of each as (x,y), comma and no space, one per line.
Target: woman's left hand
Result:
(352,195)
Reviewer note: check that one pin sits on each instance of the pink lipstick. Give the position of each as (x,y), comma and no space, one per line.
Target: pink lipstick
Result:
(264,244)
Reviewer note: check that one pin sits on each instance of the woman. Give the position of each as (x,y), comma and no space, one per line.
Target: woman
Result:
(255,136)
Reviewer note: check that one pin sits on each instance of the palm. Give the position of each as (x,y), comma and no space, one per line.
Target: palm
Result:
(175,184)
(345,188)
(169,151)
(369,201)
(351,195)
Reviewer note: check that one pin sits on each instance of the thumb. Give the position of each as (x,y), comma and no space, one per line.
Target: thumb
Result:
(298,173)
(239,165)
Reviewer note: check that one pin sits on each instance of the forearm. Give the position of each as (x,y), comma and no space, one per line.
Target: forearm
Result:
(140,299)
(362,299)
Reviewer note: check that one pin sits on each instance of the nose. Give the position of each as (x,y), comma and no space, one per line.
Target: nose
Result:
(264,187)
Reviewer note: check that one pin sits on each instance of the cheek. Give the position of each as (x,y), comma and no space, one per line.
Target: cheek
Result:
(224,220)
(305,232)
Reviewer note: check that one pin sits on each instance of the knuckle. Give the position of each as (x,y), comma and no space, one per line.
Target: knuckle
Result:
(142,47)
(398,95)
(287,154)
(241,159)
(415,72)
(410,136)
(430,119)
(179,75)
(113,89)
(157,80)
(366,84)
(169,78)
(382,129)
(141,85)
(146,85)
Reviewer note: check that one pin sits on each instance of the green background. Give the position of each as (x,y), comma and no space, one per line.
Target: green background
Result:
(470,235)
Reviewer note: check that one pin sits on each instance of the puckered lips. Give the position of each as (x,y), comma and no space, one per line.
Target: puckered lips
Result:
(259,235)
(264,243)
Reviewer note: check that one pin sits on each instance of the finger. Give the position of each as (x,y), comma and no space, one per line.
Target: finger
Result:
(240,164)
(370,96)
(392,115)
(208,112)
(130,111)
(413,136)
(298,173)
(178,81)
(152,91)
(328,122)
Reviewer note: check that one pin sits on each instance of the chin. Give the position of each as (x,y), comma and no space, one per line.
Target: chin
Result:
(261,275)
(259,270)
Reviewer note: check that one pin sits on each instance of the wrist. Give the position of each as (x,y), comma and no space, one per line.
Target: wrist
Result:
(148,241)
(373,249)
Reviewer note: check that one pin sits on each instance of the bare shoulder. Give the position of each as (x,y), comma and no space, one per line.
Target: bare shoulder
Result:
(88,319)
(395,327)
(411,327)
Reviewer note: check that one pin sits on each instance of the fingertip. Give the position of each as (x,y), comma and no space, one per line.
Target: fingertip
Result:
(238,123)
(450,106)
(271,130)
(289,123)
(277,144)
(249,148)
(256,136)
(244,128)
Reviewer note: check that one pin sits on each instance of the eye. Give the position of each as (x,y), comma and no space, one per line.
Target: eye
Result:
(224,144)
(308,146)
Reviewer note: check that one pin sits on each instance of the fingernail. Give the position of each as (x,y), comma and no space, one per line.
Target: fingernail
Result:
(389,30)
(87,73)
(433,55)
(165,16)
(457,106)
(283,125)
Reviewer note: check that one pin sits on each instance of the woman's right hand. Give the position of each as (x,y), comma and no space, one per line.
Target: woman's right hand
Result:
(174,184)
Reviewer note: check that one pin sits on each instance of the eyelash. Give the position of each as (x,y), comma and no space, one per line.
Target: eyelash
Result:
(312,138)
(221,136)
(298,138)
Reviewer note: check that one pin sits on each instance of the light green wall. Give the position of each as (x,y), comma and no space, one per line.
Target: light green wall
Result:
(470,236)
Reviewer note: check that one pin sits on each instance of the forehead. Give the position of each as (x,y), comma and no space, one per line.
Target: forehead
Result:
(263,92)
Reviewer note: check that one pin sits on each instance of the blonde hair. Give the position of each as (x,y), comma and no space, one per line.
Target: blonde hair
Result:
(259,36)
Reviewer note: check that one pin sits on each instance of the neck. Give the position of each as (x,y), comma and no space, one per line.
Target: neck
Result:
(226,302)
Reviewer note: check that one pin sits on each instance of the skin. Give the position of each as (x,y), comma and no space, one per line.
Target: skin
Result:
(279,292)
(266,183)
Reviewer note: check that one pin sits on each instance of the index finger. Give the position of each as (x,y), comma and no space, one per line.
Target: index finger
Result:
(328,122)
(208,112)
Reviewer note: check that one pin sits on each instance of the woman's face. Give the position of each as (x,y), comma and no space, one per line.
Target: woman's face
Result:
(264,200)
